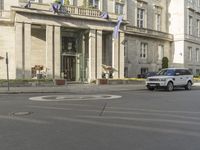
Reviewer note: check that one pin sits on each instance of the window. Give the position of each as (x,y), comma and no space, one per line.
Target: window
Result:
(1,4)
(190,25)
(94,3)
(69,2)
(197,54)
(158,22)
(160,52)
(144,70)
(119,8)
(198,27)
(143,50)
(197,72)
(140,18)
(190,53)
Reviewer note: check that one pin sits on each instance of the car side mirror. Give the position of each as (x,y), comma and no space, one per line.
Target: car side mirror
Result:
(177,74)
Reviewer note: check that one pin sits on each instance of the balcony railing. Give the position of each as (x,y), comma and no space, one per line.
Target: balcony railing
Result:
(70,9)
(83,11)
(149,32)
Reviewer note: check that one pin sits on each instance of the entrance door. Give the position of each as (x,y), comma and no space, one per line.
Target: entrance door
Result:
(69,68)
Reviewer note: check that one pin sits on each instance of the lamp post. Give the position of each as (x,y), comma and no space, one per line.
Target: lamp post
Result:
(7,71)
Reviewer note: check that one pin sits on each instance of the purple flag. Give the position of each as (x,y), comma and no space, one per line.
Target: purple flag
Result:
(62,2)
(28,5)
(104,15)
(116,29)
(56,7)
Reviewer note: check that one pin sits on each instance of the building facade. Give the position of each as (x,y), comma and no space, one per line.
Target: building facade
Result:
(147,36)
(185,26)
(74,43)
(71,45)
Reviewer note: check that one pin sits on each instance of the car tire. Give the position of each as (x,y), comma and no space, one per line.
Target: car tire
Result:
(150,88)
(188,86)
(170,86)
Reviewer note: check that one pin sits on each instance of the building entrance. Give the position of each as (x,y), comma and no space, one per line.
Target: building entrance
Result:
(69,67)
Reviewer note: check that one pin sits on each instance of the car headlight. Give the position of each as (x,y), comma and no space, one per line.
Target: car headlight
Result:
(162,79)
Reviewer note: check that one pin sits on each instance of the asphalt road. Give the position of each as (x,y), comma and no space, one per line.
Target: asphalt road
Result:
(138,120)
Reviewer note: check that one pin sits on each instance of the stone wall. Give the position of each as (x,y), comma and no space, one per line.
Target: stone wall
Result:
(7,44)
(134,63)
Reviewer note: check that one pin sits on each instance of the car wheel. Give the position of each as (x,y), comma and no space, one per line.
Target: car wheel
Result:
(188,86)
(151,88)
(170,87)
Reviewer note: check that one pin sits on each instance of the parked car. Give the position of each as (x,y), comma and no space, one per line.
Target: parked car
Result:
(170,78)
(147,74)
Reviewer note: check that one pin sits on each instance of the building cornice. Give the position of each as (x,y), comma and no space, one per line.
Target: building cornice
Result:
(144,32)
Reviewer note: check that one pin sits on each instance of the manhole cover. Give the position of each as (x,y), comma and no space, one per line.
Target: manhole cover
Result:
(74,97)
(21,113)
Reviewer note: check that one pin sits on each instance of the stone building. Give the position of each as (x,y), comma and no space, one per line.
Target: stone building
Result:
(147,36)
(184,18)
(72,43)
(75,42)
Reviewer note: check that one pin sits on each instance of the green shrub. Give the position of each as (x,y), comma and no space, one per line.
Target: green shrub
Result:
(165,62)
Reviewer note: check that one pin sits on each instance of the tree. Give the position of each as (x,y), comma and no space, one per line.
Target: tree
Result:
(165,62)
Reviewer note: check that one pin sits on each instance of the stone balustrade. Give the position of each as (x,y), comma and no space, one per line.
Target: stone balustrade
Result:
(83,11)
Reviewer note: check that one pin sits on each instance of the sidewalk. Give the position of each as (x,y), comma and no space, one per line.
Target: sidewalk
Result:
(78,88)
(72,88)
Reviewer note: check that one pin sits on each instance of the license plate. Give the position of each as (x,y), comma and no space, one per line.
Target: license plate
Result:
(152,84)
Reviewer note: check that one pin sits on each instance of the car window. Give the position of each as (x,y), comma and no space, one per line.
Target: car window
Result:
(167,72)
(187,72)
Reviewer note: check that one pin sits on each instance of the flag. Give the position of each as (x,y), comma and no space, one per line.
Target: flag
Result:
(28,5)
(56,7)
(93,3)
(116,29)
(104,15)
(62,2)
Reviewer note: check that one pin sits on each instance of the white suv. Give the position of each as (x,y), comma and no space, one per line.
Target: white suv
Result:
(170,78)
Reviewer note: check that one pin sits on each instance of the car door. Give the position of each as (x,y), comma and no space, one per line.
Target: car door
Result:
(179,79)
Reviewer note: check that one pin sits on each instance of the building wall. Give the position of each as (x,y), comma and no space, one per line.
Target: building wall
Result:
(7,44)
(179,12)
(38,47)
(150,11)
(134,63)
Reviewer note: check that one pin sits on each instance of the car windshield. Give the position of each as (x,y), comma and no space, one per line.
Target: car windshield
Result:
(166,72)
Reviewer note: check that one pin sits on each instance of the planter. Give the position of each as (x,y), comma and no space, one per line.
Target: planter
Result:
(101,81)
(59,82)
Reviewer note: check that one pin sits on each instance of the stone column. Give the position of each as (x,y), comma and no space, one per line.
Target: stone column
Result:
(115,57)
(49,51)
(121,55)
(27,50)
(99,54)
(19,49)
(57,51)
(92,55)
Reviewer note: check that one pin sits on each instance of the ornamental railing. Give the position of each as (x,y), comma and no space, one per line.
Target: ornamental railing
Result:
(83,11)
